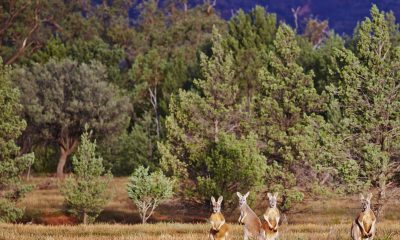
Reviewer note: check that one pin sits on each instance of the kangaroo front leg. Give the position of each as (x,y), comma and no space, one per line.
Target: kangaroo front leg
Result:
(372,231)
(364,233)
(269,224)
(241,218)
(277,223)
(213,225)
(220,225)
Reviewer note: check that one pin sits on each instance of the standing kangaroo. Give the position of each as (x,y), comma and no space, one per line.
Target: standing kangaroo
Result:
(252,225)
(271,217)
(219,229)
(363,227)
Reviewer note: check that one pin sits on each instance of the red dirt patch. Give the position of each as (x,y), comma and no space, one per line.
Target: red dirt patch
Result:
(57,219)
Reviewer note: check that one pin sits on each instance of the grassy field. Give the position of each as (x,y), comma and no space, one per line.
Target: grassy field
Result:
(178,231)
(322,218)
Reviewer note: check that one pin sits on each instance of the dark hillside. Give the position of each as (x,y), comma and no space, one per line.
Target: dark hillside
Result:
(343,15)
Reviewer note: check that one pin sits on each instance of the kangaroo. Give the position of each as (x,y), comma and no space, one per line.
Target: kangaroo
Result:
(252,225)
(363,227)
(271,217)
(219,229)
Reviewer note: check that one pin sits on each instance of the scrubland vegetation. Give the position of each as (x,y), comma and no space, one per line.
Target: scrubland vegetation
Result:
(316,218)
(190,105)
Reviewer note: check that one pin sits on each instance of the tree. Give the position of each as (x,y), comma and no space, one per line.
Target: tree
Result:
(287,107)
(319,59)
(250,37)
(86,190)
(60,97)
(28,25)
(200,118)
(165,58)
(367,98)
(12,164)
(233,165)
(84,51)
(148,190)
(316,31)
(21,20)
(149,72)
(133,148)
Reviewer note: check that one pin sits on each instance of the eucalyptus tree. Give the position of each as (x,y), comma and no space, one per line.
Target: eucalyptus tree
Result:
(61,96)
(12,163)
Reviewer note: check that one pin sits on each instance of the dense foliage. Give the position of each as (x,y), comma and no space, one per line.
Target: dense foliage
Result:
(147,190)
(86,191)
(367,97)
(61,96)
(242,105)
(12,164)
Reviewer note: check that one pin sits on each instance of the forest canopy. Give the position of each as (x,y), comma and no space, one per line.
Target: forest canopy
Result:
(222,106)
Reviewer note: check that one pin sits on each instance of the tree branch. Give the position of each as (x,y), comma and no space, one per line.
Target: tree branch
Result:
(24,45)
(13,15)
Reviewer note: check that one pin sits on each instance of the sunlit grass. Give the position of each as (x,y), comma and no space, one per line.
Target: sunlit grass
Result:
(387,230)
(314,219)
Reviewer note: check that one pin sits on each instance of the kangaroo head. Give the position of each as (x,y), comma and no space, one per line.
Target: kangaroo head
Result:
(242,198)
(272,199)
(365,201)
(216,204)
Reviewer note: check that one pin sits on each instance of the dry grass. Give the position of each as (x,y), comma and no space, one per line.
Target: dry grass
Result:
(315,219)
(177,231)
(46,199)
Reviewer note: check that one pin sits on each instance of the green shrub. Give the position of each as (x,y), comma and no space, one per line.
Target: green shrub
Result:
(12,164)
(86,191)
(148,190)
(234,165)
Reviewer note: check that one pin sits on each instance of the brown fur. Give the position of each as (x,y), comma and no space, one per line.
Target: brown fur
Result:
(252,225)
(219,229)
(216,219)
(272,214)
(271,217)
(221,234)
(365,220)
(251,222)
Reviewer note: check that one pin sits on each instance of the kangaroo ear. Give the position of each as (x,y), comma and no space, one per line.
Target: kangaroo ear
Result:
(361,196)
(246,195)
(238,194)
(213,200)
(269,195)
(275,194)
(220,199)
(369,196)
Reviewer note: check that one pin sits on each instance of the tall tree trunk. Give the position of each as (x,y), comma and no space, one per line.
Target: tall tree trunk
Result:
(28,174)
(85,218)
(216,130)
(296,17)
(381,202)
(185,7)
(153,100)
(61,163)
(67,146)
(144,210)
